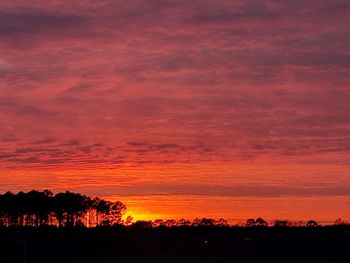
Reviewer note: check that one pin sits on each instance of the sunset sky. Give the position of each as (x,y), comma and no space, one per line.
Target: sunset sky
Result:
(197,108)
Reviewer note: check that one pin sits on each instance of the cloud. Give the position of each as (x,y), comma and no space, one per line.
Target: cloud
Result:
(46,140)
(7,155)
(177,85)
(20,22)
(228,191)
(72,142)
(137,143)
(9,137)
(4,67)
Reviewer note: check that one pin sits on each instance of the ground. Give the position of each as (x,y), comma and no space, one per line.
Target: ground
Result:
(182,260)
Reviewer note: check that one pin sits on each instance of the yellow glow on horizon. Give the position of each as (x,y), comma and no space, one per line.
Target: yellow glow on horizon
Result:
(237,209)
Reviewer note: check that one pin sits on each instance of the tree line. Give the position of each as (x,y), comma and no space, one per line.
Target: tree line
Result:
(37,208)
(68,209)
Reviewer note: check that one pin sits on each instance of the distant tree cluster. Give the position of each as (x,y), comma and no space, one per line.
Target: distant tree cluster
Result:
(209,222)
(256,222)
(198,222)
(259,222)
(36,208)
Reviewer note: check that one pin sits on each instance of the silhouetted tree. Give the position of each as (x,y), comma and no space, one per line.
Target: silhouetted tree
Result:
(221,222)
(158,223)
(71,207)
(259,222)
(9,209)
(102,208)
(37,206)
(311,223)
(340,222)
(183,222)
(250,222)
(108,213)
(203,222)
(128,221)
(140,224)
(170,223)
(116,212)
(63,209)
(281,223)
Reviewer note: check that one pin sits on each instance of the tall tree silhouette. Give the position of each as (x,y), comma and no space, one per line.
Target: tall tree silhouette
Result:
(63,209)
(70,207)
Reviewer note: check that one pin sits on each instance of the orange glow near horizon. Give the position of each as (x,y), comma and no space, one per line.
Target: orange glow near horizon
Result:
(237,209)
(201,193)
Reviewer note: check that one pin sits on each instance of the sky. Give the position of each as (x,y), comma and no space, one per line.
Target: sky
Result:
(198,108)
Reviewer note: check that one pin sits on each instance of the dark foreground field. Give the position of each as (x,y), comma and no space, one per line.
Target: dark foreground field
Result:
(176,244)
(185,260)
